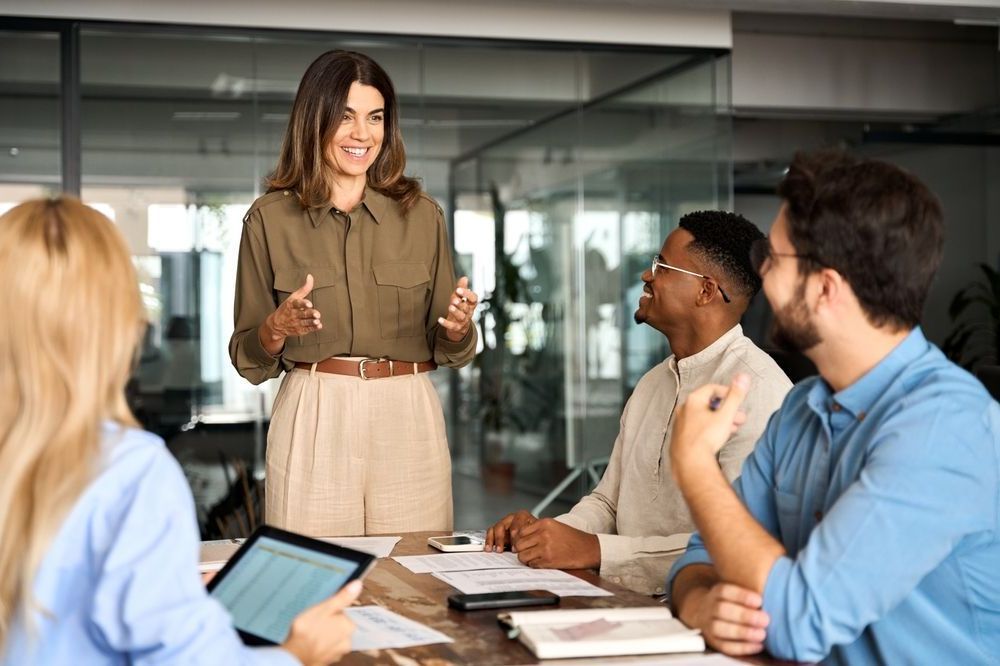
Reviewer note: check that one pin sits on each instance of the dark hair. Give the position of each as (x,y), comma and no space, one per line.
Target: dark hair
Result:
(724,239)
(875,224)
(304,162)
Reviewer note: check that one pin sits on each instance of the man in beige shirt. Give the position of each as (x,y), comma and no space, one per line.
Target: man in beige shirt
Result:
(635,523)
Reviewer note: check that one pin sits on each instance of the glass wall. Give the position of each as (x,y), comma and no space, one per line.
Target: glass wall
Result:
(560,169)
(29,115)
(574,208)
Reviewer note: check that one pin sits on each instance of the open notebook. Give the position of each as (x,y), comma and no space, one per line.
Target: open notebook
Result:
(601,632)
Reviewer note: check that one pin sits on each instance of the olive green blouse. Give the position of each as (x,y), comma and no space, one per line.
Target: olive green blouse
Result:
(381,278)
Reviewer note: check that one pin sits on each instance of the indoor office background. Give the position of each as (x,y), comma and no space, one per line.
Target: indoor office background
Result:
(561,169)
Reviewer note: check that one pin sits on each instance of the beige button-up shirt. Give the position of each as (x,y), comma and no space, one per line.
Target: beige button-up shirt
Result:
(381,278)
(637,511)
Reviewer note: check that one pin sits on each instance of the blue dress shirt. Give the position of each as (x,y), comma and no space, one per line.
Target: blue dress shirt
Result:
(119,583)
(886,496)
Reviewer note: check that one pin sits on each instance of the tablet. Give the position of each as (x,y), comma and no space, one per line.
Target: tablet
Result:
(275,575)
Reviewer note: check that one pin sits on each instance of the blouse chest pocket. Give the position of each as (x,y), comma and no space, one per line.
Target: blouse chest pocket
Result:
(402,298)
(323,298)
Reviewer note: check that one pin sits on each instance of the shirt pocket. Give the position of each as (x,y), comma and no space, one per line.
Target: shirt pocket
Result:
(402,298)
(323,297)
(789,509)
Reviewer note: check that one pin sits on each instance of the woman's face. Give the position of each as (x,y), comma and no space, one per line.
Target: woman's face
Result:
(358,140)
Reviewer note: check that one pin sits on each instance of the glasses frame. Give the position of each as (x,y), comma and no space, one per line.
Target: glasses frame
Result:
(761,254)
(658,263)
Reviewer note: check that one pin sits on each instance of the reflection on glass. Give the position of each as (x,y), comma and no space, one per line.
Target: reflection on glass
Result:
(29,116)
(559,169)
(575,206)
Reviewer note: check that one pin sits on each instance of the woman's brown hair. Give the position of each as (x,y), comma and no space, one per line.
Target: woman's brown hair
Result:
(304,165)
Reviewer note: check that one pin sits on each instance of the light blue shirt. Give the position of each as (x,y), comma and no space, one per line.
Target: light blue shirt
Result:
(886,496)
(120,582)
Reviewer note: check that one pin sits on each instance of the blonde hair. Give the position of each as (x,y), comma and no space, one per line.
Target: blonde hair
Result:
(70,320)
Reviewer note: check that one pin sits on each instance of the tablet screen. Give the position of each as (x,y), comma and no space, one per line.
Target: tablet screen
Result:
(274,581)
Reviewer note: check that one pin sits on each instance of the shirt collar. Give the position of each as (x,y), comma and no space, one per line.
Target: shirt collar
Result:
(711,352)
(858,398)
(375,202)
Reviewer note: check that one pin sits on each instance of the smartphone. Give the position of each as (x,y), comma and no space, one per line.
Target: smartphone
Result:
(455,544)
(467,602)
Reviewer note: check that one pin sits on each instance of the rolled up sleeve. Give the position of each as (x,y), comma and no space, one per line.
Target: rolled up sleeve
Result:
(753,487)
(253,302)
(921,491)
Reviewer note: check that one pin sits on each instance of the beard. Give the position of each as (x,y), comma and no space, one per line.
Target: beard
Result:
(792,330)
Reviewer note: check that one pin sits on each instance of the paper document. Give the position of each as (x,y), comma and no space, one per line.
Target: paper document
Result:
(696,659)
(215,554)
(513,580)
(378,546)
(602,632)
(379,629)
(459,562)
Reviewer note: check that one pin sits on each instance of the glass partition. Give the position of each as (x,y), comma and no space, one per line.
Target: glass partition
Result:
(29,116)
(560,221)
(560,169)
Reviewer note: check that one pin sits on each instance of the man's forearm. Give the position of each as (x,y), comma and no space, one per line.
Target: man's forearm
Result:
(742,551)
(690,586)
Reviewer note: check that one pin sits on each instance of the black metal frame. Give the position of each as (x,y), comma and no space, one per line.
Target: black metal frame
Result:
(69,42)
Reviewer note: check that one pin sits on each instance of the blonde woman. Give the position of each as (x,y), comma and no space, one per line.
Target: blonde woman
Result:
(98,542)
(345,283)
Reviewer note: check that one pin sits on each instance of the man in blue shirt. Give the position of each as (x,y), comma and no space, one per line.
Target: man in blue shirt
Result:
(865,526)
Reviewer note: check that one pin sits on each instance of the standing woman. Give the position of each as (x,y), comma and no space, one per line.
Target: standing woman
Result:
(345,282)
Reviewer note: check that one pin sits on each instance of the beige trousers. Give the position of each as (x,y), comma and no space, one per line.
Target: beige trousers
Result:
(349,457)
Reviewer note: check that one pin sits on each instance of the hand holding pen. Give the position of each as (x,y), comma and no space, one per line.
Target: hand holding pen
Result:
(460,308)
(707,419)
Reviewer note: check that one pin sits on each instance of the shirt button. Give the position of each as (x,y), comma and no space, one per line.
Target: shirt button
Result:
(616,579)
(818,516)
(659,590)
(835,407)
(287,193)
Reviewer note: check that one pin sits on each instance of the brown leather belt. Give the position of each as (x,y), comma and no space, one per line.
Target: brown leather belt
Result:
(369,368)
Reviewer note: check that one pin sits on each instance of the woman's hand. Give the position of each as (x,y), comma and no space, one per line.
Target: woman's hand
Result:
(321,634)
(295,316)
(463,304)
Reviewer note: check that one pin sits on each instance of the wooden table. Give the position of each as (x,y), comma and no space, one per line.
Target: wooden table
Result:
(478,638)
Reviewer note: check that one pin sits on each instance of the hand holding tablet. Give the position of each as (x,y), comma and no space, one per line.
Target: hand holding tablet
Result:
(278,587)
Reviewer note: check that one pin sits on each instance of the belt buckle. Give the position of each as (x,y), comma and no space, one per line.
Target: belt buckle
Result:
(361,366)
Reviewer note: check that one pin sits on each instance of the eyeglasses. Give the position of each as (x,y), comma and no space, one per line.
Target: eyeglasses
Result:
(659,264)
(761,255)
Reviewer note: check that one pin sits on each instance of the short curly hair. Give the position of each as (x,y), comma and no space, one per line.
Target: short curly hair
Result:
(724,239)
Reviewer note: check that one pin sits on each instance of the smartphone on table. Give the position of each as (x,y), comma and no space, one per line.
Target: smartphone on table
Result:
(456,543)
(487,600)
